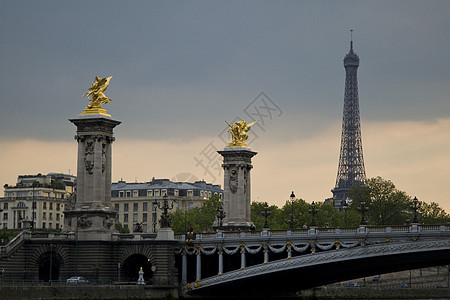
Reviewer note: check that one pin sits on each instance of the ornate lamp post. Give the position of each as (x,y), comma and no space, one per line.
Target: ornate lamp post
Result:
(363,209)
(165,220)
(220,216)
(291,220)
(416,206)
(266,213)
(313,211)
(345,207)
(154,217)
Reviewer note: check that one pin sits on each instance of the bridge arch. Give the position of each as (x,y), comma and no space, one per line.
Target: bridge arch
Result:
(49,260)
(132,259)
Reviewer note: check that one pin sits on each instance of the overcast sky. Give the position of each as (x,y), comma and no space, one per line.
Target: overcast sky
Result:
(181,68)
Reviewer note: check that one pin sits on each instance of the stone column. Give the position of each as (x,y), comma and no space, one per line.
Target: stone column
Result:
(220,262)
(90,213)
(183,266)
(198,272)
(237,165)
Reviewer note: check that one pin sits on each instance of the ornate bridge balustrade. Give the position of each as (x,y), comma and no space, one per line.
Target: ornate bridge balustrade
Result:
(215,258)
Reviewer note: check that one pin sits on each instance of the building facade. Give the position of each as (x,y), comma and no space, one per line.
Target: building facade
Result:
(136,203)
(36,201)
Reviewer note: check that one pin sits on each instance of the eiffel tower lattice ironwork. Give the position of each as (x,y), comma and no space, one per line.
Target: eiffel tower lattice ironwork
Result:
(351,169)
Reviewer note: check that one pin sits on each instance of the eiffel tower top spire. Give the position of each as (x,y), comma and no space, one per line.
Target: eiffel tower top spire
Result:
(351,168)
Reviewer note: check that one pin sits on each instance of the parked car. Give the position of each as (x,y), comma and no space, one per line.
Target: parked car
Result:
(77,280)
(352,284)
(403,285)
(377,278)
(442,285)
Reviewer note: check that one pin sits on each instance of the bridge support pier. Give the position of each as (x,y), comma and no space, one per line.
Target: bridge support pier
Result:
(220,262)
(242,257)
(184,267)
(266,254)
(198,272)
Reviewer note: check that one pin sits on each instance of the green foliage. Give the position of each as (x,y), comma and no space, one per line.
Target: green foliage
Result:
(432,214)
(199,218)
(386,204)
(7,235)
(119,227)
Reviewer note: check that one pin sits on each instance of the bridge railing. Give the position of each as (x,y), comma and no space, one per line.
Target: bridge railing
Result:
(317,231)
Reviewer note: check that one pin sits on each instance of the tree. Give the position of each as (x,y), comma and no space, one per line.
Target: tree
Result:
(119,227)
(199,218)
(387,205)
(432,214)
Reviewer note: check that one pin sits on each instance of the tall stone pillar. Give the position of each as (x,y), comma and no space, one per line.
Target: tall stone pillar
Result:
(237,164)
(90,214)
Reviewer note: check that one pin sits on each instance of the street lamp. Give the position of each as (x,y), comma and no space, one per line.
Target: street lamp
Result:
(220,216)
(266,213)
(154,217)
(345,207)
(416,206)
(291,220)
(313,211)
(363,209)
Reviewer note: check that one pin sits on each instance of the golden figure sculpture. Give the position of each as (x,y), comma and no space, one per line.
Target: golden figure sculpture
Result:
(239,134)
(97,97)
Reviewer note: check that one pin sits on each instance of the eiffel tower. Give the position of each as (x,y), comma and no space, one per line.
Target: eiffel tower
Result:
(351,169)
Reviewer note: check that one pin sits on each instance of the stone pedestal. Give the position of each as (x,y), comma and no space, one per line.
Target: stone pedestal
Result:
(165,234)
(237,164)
(89,211)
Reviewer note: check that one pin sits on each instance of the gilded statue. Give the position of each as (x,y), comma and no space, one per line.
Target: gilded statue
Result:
(238,133)
(96,96)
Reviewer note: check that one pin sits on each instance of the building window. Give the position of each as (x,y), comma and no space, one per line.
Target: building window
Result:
(149,193)
(49,225)
(128,194)
(176,193)
(144,227)
(190,193)
(51,206)
(144,206)
(5,225)
(156,193)
(135,217)
(116,206)
(135,193)
(43,225)
(21,204)
(34,205)
(57,217)
(163,192)
(190,205)
(135,206)
(121,194)
(57,226)
(125,218)
(117,218)
(144,217)
(45,205)
(125,225)
(5,216)
(50,217)
(44,216)
(58,206)
(5,205)
(125,207)
(34,215)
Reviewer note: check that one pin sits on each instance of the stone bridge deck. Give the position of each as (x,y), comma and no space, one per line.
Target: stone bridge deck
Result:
(263,258)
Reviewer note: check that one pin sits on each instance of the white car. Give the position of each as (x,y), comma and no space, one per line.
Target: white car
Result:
(77,280)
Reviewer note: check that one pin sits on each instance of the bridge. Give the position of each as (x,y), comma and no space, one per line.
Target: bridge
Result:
(289,261)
